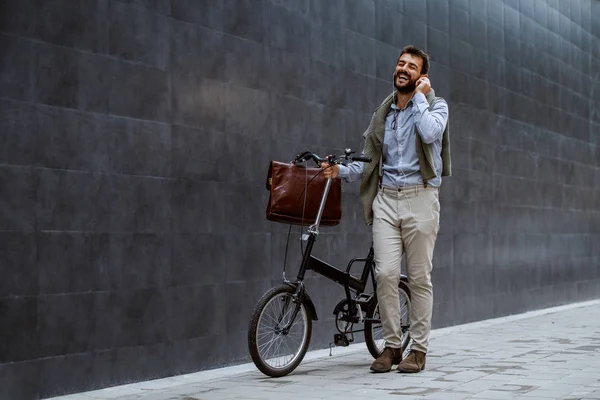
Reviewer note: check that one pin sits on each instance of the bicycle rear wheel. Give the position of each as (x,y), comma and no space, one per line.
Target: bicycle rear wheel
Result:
(374,331)
(277,352)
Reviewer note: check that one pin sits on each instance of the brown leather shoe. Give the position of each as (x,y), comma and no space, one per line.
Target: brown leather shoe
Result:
(385,361)
(414,362)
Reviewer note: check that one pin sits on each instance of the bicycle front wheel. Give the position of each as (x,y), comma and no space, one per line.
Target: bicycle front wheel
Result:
(275,348)
(374,331)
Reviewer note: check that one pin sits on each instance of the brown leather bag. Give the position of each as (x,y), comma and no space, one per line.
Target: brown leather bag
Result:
(286,183)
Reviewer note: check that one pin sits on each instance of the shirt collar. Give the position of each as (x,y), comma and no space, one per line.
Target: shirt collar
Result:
(409,103)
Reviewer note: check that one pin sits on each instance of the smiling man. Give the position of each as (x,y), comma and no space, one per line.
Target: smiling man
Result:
(408,142)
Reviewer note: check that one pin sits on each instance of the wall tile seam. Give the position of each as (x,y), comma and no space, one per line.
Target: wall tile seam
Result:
(134,6)
(269,47)
(220,232)
(495,24)
(270,92)
(121,291)
(97,233)
(558,10)
(581,27)
(259,42)
(511,176)
(140,7)
(20,231)
(36,40)
(546,53)
(474,17)
(39,168)
(103,350)
(92,113)
(363,35)
(588,187)
(536,207)
(536,98)
(535,22)
(114,350)
(211,129)
(226,184)
(91,171)
(525,179)
(108,233)
(20,296)
(337,67)
(508,146)
(84,51)
(537,156)
(290,8)
(540,102)
(540,235)
(433,29)
(225,33)
(176,19)
(267,278)
(572,21)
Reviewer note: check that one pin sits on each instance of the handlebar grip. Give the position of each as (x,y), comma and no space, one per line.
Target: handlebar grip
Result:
(361,158)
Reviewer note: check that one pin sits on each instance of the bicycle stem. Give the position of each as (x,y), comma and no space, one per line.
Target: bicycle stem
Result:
(313,231)
(314,228)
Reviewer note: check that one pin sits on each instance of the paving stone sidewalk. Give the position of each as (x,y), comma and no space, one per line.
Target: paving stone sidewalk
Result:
(547,354)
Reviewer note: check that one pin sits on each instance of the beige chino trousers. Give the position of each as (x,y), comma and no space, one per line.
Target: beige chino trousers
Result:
(405,220)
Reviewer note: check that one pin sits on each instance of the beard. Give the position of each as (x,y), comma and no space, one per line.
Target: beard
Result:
(407,87)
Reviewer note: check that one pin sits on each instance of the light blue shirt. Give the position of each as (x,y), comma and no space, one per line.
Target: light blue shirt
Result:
(400,159)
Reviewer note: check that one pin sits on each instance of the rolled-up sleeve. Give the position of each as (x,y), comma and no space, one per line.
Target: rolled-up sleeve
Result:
(351,172)
(430,123)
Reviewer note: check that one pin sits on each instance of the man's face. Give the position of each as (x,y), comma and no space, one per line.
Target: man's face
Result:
(407,72)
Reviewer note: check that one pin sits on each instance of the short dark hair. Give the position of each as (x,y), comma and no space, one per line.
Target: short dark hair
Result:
(419,53)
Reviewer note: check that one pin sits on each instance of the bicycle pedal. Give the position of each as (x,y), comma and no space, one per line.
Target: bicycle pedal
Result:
(363,299)
(341,340)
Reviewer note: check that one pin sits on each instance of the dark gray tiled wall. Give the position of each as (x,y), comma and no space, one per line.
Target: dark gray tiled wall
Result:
(135,139)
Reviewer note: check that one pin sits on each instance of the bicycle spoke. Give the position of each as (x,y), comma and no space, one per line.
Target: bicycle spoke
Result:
(270,345)
(277,349)
(275,320)
(263,335)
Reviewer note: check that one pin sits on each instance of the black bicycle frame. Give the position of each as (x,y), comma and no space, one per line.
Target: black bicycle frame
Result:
(327,270)
(313,231)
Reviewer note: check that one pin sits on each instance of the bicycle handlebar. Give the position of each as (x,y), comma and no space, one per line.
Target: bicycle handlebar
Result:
(361,158)
(307,155)
(331,159)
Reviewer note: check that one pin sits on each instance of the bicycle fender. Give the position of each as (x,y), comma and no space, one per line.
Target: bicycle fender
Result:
(308,303)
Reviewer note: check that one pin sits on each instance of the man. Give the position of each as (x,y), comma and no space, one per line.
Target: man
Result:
(408,142)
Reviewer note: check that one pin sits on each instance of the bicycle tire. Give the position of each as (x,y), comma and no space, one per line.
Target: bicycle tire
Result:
(374,344)
(264,362)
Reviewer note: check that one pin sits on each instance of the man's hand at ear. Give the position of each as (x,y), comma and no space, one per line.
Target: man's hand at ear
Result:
(423,85)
